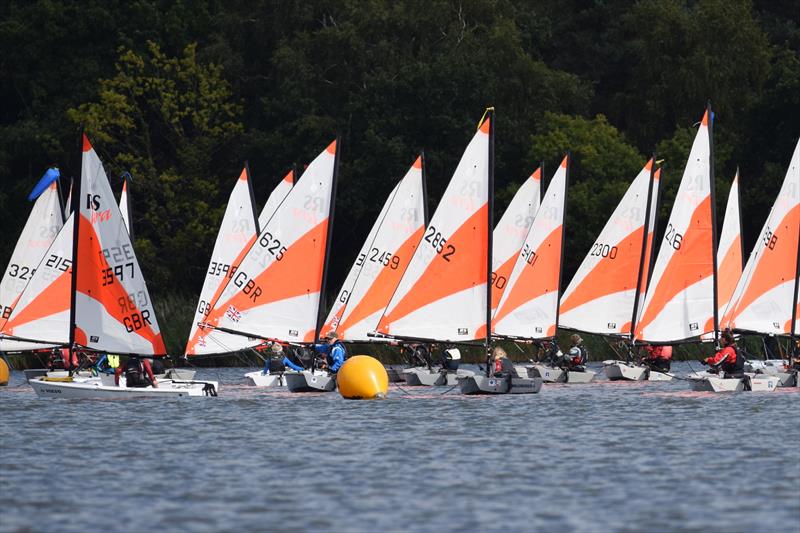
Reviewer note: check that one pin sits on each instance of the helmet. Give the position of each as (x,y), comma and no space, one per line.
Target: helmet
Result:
(576,339)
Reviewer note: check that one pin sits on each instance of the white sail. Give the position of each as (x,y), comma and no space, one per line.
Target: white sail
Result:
(42,312)
(275,199)
(729,252)
(443,294)
(237,233)
(113,310)
(601,295)
(275,292)
(680,298)
(381,262)
(124,206)
(650,248)
(529,306)
(764,298)
(41,228)
(509,234)
(68,205)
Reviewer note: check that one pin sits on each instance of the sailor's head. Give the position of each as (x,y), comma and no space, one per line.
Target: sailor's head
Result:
(727,338)
(499,352)
(331,337)
(576,339)
(277,349)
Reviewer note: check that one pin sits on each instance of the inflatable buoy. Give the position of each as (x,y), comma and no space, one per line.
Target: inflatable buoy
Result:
(362,378)
(3,372)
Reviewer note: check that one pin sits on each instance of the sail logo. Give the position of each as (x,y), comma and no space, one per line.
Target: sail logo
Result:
(538,329)
(94,338)
(693,326)
(294,333)
(93,202)
(612,325)
(463,331)
(233,314)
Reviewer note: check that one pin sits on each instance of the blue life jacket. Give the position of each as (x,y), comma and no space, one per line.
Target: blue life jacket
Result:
(335,354)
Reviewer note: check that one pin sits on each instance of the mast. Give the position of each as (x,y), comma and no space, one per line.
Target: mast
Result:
(253,196)
(60,193)
(425,214)
(542,178)
(76,214)
(563,241)
(644,246)
(321,310)
(793,326)
(713,217)
(489,229)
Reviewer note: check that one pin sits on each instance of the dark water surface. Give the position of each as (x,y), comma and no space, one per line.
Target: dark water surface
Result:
(600,457)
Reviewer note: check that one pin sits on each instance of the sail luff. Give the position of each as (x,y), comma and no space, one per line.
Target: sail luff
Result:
(712,181)
(645,237)
(328,238)
(489,236)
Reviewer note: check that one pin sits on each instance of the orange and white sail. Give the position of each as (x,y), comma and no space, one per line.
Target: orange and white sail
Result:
(680,297)
(602,294)
(729,252)
(124,206)
(509,234)
(382,261)
(276,197)
(275,291)
(41,228)
(113,310)
(237,233)
(41,316)
(443,292)
(529,306)
(764,298)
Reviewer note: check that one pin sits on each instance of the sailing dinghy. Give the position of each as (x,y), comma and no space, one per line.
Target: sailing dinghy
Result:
(765,300)
(275,293)
(88,293)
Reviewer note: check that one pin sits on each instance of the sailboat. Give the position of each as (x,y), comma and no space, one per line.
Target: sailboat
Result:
(765,300)
(41,228)
(529,306)
(275,294)
(88,293)
(237,233)
(606,293)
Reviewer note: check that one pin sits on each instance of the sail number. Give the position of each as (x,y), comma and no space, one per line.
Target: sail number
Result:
(529,255)
(137,321)
(118,272)
(272,245)
(439,243)
(377,256)
(21,272)
(115,254)
(221,269)
(59,263)
(603,250)
(672,237)
(204,308)
(498,281)
(770,239)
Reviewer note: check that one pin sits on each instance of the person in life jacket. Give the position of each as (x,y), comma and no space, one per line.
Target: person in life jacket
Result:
(577,356)
(658,358)
(729,359)
(502,365)
(290,359)
(417,355)
(333,351)
(138,373)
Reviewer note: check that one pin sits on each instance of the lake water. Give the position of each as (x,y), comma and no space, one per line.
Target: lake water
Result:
(600,457)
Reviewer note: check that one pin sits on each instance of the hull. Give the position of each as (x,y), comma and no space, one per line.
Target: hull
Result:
(423,377)
(258,379)
(578,378)
(481,384)
(787,379)
(755,383)
(395,374)
(307,381)
(172,373)
(94,388)
(548,374)
(620,371)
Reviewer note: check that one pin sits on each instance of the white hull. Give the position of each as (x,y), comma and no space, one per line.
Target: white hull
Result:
(423,377)
(94,388)
(622,371)
(258,379)
(308,381)
(481,384)
(172,373)
(548,374)
(703,382)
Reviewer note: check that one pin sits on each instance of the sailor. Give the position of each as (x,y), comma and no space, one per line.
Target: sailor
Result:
(138,373)
(577,356)
(273,361)
(290,359)
(417,355)
(658,358)
(729,359)
(502,365)
(333,350)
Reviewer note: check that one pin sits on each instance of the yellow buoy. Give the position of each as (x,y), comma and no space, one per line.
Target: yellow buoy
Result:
(362,378)
(3,372)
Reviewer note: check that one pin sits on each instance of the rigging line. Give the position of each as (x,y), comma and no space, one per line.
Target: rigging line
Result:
(448,390)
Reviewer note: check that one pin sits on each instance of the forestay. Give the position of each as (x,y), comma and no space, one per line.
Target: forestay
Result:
(42,312)
(237,233)
(275,292)
(382,260)
(41,228)
(602,294)
(529,306)
(509,234)
(443,292)
(275,199)
(680,297)
(765,295)
(729,253)
(113,311)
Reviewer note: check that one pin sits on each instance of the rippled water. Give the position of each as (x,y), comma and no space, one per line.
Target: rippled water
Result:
(600,457)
